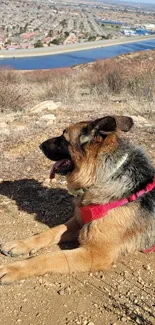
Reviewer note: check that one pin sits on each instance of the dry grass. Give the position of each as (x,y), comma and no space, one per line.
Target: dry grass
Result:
(14,92)
(103,77)
(114,77)
(130,77)
(53,84)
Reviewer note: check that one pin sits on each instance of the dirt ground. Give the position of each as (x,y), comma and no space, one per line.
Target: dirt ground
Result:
(29,203)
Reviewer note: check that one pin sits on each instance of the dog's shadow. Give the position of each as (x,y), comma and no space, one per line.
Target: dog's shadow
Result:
(50,206)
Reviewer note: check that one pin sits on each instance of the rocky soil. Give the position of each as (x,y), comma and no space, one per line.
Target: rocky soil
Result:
(30,203)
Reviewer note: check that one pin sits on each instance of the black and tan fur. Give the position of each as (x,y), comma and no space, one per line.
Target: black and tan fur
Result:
(104,167)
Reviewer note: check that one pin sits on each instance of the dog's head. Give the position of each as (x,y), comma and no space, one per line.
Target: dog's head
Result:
(79,148)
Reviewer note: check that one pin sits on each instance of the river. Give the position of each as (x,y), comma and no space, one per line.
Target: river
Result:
(75,57)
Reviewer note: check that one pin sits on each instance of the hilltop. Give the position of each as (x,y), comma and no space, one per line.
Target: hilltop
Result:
(128,77)
(35,106)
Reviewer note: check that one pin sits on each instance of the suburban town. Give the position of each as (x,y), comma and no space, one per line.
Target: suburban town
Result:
(37,23)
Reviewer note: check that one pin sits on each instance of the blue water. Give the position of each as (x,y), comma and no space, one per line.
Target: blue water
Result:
(143,31)
(74,58)
(112,22)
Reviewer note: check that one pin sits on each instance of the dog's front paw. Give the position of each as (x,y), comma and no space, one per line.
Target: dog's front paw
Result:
(15,248)
(11,272)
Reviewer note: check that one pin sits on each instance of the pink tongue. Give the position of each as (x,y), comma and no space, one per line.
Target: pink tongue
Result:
(56,167)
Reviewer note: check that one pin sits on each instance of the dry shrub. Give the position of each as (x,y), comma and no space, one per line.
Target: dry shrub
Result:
(141,83)
(53,84)
(130,76)
(14,94)
(62,89)
(40,76)
(115,76)
(142,87)
(104,76)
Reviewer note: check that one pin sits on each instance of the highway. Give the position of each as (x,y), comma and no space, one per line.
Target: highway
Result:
(59,49)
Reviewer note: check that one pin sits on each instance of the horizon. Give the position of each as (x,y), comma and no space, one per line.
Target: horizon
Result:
(152,2)
(141,1)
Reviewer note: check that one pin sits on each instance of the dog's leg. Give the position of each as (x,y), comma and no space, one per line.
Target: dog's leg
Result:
(61,233)
(77,260)
(66,261)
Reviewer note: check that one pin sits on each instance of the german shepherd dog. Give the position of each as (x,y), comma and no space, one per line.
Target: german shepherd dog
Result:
(104,169)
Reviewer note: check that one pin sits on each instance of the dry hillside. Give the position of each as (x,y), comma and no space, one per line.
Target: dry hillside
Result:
(35,106)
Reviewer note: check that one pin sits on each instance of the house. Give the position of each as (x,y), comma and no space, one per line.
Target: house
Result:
(12,47)
(30,35)
(71,39)
(128,32)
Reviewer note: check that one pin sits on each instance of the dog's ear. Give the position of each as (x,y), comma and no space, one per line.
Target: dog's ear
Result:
(104,126)
(124,123)
(109,124)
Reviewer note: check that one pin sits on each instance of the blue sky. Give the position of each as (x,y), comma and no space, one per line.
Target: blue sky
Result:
(142,1)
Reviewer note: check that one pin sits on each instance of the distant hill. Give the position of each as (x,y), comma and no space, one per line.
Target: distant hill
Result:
(134,2)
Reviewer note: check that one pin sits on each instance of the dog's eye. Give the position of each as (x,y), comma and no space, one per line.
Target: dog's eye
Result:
(65,135)
(66,141)
(84,139)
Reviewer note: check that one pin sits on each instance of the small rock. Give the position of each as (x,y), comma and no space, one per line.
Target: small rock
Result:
(49,123)
(147,267)
(58,103)
(47,117)
(5,131)
(138,321)
(61,292)
(8,117)
(96,305)
(68,290)
(3,125)
(52,107)
(141,121)
(123,319)
(46,105)
(85,322)
(135,301)
(20,128)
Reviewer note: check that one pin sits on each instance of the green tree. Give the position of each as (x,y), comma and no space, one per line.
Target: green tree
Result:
(92,38)
(25,28)
(64,23)
(109,36)
(38,44)
(21,30)
(50,33)
(8,42)
(55,41)
(66,33)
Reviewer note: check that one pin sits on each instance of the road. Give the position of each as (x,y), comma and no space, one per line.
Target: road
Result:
(70,48)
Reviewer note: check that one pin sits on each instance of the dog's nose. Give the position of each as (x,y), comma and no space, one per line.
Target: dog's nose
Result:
(44,146)
(41,146)
(47,145)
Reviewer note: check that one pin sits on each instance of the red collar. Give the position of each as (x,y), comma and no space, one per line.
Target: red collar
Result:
(97,211)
